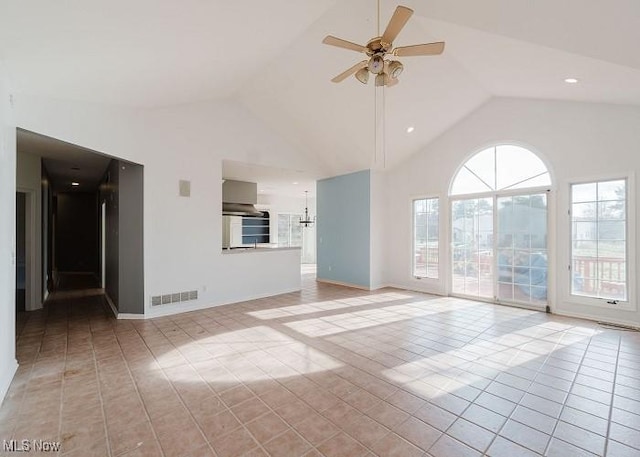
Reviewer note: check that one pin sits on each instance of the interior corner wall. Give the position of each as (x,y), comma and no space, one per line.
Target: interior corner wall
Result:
(108,194)
(122,192)
(578,141)
(8,364)
(29,180)
(378,238)
(131,261)
(344,229)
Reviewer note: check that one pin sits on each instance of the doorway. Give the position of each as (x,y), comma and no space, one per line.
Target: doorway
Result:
(21,251)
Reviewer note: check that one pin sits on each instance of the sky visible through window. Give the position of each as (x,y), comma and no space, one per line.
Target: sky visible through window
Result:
(501,167)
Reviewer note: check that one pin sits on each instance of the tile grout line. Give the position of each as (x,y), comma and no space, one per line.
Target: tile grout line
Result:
(291,426)
(557,419)
(62,381)
(562,408)
(613,393)
(507,418)
(95,366)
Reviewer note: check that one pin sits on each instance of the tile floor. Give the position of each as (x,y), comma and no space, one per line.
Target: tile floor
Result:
(329,371)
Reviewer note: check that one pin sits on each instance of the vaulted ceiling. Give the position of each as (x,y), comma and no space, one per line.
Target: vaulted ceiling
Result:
(269,57)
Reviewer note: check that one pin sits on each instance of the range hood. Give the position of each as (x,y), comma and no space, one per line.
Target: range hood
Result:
(239,198)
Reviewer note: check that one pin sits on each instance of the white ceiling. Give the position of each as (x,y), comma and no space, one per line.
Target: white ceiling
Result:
(270,180)
(269,56)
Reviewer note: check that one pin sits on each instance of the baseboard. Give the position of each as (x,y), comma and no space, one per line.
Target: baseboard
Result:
(345,284)
(113,307)
(127,316)
(593,318)
(5,380)
(416,289)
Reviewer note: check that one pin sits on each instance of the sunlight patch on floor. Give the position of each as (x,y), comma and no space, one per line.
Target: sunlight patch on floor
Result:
(356,320)
(449,372)
(272,353)
(308,308)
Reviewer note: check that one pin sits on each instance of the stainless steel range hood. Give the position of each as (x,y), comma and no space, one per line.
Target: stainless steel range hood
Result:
(238,198)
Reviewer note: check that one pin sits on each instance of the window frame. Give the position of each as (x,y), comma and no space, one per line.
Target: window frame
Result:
(290,216)
(413,274)
(630,233)
(495,145)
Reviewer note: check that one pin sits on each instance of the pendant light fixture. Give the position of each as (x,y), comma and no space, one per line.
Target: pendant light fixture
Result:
(307,221)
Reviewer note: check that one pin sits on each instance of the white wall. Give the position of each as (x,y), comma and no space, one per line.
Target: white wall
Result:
(577,140)
(378,234)
(182,248)
(8,363)
(29,180)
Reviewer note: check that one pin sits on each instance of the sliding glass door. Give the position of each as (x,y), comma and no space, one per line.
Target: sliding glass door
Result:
(499,248)
(472,238)
(522,248)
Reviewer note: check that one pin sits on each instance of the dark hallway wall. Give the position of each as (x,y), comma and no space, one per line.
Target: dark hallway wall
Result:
(21,250)
(76,220)
(122,191)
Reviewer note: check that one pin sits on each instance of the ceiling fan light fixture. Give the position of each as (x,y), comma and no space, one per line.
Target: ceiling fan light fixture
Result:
(382,79)
(362,75)
(376,64)
(395,68)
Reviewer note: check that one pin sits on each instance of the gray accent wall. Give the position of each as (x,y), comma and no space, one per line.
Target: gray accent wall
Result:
(122,191)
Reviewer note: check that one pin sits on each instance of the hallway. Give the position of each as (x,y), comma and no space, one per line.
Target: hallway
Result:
(327,371)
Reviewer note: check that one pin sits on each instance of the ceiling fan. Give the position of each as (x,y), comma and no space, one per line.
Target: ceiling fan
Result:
(386,71)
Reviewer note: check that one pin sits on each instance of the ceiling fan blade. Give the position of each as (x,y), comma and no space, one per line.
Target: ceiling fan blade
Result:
(429,49)
(339,42)
(396,24)
(345,74)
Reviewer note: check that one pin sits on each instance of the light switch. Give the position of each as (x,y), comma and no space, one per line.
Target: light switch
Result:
(185,188)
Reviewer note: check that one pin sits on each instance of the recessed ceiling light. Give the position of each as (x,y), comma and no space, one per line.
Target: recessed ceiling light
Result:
(75,184)
(295,183)
(571,80)
(410,129)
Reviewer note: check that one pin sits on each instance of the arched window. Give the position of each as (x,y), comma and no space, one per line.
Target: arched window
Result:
(499,226)
(500,168)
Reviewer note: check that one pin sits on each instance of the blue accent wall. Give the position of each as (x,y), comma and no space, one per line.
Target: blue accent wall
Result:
(343,230)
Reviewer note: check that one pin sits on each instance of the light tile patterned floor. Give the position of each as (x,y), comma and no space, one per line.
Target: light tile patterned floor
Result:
(329,371)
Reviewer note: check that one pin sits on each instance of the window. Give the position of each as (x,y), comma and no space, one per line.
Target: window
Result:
(425,238)
(499,227)
(289,230)
(599,240)
(500,168)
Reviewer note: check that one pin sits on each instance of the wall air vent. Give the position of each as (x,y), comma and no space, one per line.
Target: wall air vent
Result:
(174,297)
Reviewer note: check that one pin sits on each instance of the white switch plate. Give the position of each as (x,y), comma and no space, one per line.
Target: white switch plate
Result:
(185,188)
